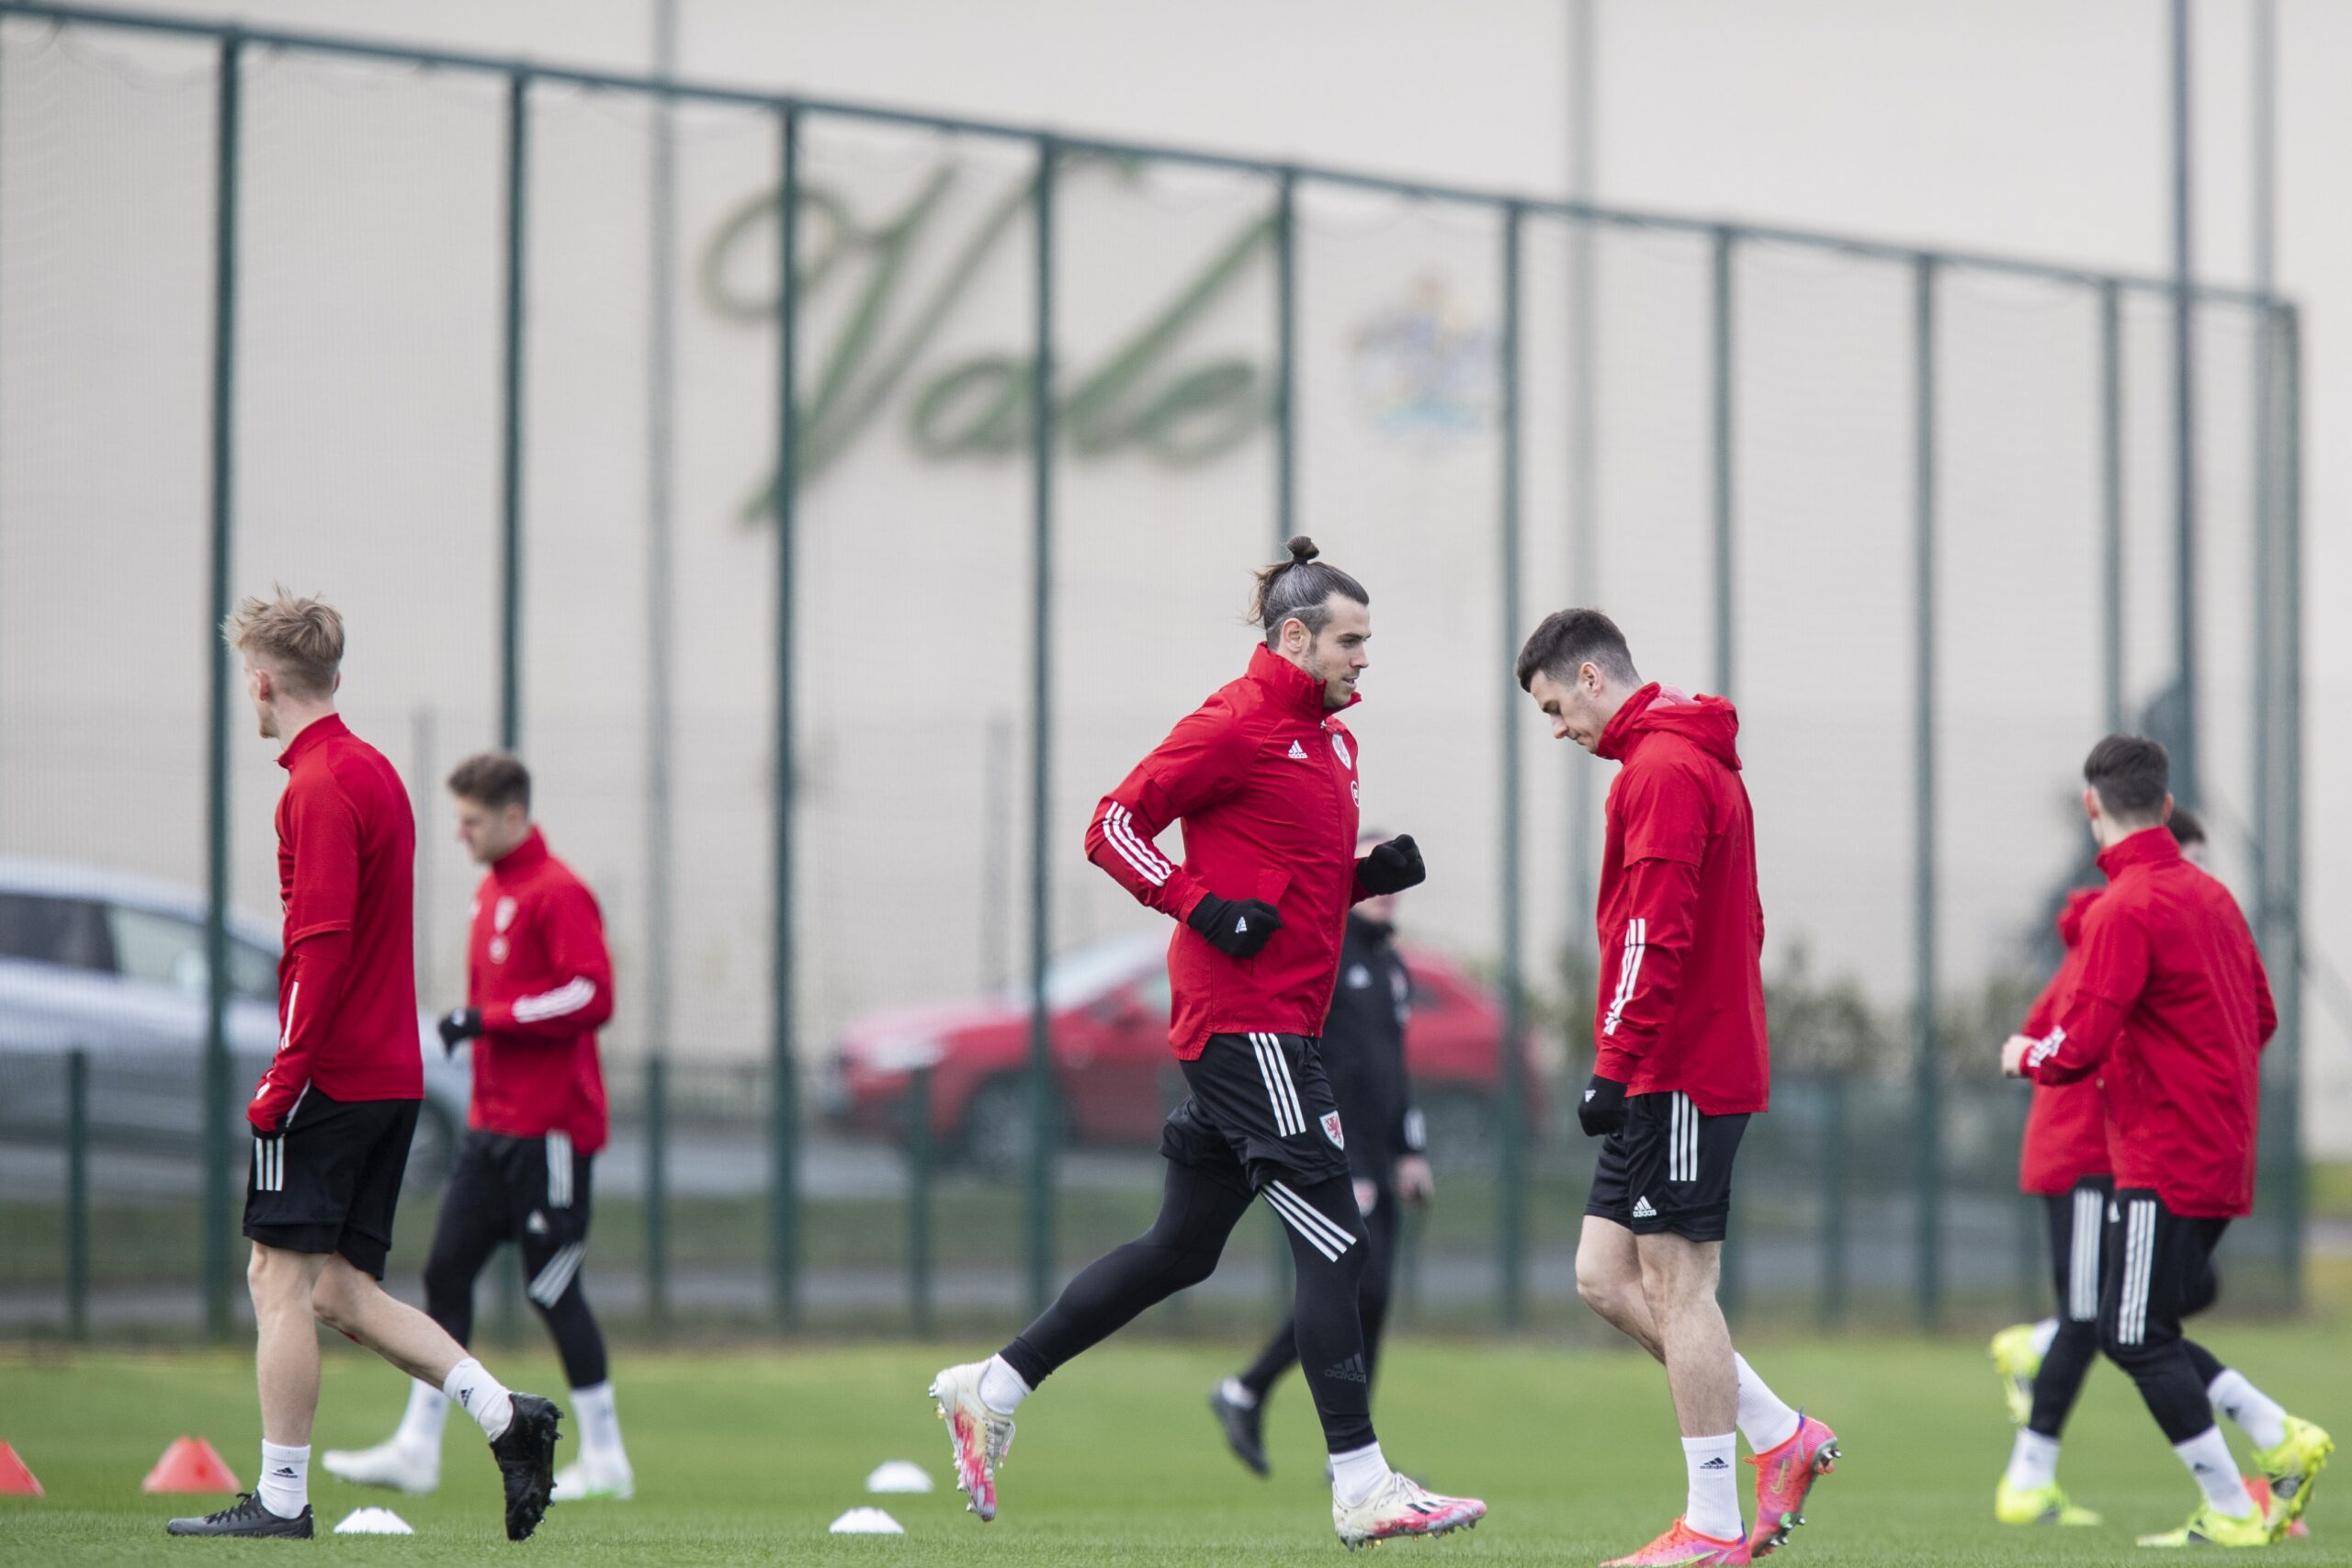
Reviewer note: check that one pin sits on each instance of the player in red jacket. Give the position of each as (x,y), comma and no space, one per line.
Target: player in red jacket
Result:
(334,1113)
(539,985)
(1263,777)
(1680,1063)
(2064,1160)
(2171,1008)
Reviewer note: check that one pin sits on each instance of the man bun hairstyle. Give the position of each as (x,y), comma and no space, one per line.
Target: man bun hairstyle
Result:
(1570,640)
(1300,589)
(2132,775)
(298,640)
(2187,829)
(495,779)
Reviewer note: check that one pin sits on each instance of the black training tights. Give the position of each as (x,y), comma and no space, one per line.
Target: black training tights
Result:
(1197,1211)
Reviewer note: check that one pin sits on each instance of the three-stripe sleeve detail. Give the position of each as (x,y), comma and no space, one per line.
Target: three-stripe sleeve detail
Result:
(1273,1067)
(554,1277)
(1119,832)
(1326,1235)
(2082,1267)
(1629,972)
(558,1169)
(570,996)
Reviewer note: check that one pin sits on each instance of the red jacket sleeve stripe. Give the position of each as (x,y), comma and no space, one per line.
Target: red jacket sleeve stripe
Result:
(568,998)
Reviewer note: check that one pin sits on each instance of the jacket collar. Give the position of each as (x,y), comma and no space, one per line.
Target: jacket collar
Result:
(531,851)
(315,734)
(2149,846)
(1617,735)
(1290,686)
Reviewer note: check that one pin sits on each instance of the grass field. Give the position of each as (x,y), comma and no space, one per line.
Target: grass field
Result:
(744,1456)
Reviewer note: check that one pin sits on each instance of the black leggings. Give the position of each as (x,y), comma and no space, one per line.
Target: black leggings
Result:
(2078,1258)
(1197,1211)
(500,1191)
(1280,1353)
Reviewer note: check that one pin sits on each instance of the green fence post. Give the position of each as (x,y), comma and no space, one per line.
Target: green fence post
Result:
(784,1104)
(2288,961)
(657,1192)
(918,1202)
(1835,1224)
(510,496)
(1285,360)
(1042,1119)
(1925,1086)
(1720,407)
(77,1193)
(2187,771)
(1510,1207)
(2111,498)
(228,123)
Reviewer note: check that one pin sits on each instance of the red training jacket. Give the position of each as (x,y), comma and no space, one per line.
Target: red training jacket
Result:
(347,979)
(1681,1003)
(2174,1002)
(536,967)
(1263,778)
(2065,1130)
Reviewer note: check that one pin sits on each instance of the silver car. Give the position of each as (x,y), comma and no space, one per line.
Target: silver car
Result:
(115,965)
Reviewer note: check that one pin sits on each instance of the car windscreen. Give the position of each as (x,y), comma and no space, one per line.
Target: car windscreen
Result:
(43,928)
(169,950)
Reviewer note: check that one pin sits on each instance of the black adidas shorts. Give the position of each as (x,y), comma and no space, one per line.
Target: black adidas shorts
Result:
(2159,1269)
(1261,1109)
(1668,1169)
(330,1182)
(2077,1228)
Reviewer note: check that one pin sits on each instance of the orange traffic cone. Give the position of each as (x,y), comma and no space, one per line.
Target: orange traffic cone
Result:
(190,1465)
(16,1481)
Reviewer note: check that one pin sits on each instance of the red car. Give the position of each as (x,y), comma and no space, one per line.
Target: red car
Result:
(1113,1072)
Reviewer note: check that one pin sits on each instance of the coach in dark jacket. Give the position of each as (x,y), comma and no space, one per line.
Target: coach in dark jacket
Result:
(1364,1053)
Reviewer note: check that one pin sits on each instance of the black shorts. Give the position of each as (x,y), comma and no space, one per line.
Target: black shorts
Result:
(330,1182)
(532,1192)
(2159,1269)
(2077,1232)
(1260,1108)
(1668,1169)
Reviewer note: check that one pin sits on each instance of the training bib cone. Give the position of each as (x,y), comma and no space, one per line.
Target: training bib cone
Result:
(191,1464)
(16,1481)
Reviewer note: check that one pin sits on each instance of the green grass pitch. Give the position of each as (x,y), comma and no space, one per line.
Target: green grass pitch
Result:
(744,1456)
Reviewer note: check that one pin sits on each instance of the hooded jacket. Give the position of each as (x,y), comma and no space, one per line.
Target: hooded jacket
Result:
(1263,778)
(2172,1011)
(2065,1130)
(1681,1003)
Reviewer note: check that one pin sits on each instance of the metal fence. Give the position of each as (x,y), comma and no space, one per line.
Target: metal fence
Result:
(823,596)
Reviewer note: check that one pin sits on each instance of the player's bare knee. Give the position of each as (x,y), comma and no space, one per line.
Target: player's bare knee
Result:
(337,1299)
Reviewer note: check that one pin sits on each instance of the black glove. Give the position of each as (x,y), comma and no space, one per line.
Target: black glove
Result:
(1603,1110)
(1236,927)
(458,1026)
(1391,867)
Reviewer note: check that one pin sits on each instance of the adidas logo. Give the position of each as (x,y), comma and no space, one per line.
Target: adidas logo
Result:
(1240,924)
(1348,1371)
(537,1225)
(284,1470)
(1714,1464)
(1298,752)
(465,1397)
(1642,1209)
(1588,1097)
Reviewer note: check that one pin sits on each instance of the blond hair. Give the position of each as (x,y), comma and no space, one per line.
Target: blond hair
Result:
(299,640)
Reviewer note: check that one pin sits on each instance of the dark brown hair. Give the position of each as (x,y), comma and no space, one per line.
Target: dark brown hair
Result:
(1300,589)
(1570,640)
(2131,775)
(2185,828)
(494,779)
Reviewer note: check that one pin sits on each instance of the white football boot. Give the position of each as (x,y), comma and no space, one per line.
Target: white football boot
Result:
(585,1480)
(977,1437)
(1401,1506)
(387,1464)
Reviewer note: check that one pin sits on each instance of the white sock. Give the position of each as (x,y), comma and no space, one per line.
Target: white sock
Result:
(2033,1462)
(2207,1455)
(2044,1333)
(2260,1418)
(600,1427)
(421,1424)
(285,1488)
(1233,1390)
(1764,1420)
(1001,1388)
(1358,1474)
(1713,1508)
(481,1396)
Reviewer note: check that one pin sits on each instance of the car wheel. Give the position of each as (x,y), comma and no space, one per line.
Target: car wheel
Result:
(997,1138)
(1461,1134)
(431,1151)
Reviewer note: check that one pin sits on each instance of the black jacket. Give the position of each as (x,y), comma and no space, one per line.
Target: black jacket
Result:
(1363,1053)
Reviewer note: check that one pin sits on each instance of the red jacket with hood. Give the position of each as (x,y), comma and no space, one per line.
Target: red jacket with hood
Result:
(1263,778)
(1681,1003)
(2172,1011)
(2066,1131)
